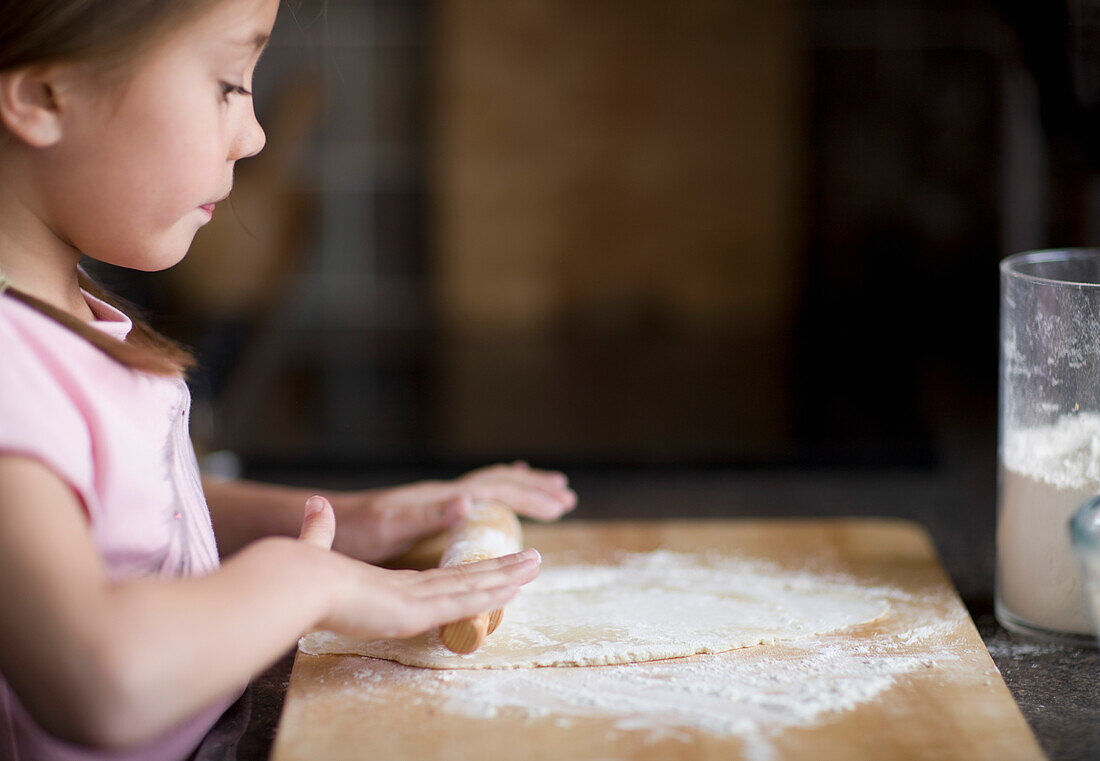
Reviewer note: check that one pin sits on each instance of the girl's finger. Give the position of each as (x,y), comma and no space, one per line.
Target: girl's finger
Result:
(525,500)
(492,564)
(563,494)
(440,609)
(319,523)
(521,472)
(517,569)
(549,479)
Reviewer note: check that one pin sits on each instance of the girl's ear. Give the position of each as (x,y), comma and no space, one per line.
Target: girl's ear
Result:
(28,106)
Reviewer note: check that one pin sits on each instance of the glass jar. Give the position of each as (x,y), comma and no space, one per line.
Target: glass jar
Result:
(1048,438)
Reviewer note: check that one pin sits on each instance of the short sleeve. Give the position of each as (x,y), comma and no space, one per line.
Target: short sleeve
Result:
(39,416)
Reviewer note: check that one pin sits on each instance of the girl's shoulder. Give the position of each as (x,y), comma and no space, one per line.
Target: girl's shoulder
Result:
(54,379)
(43,361)
(23,328)
(64,402)
(31,341)
(41,410)
(21,323)
(31,344)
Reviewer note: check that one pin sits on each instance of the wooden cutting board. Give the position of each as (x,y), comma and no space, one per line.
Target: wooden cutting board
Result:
(954,706)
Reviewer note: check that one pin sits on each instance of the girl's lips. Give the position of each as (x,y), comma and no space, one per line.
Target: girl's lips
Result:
(208,208)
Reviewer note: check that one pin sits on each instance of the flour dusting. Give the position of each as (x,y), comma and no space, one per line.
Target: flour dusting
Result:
(745,694)
(491,530)
(478,543)
(813,670)
(649,606)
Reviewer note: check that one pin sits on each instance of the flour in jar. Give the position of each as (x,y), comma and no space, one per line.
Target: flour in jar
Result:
(1046,473)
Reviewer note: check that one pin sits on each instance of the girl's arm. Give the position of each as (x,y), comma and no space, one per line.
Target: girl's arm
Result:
(378,524)
(118,663)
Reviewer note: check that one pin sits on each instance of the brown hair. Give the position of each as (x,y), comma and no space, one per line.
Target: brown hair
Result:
(106,32)
(38,32)
(144,348)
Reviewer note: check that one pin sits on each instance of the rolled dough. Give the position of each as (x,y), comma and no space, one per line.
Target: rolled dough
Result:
(650,606)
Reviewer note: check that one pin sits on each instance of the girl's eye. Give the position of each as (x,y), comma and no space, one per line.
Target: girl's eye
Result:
(230,89)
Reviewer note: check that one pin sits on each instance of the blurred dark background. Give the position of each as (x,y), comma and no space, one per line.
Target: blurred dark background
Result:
(745,242)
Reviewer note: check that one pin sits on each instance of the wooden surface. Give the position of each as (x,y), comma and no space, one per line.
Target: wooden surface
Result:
(956,708)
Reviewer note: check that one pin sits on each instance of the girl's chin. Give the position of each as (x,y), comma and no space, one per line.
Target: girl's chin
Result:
(171,261)
(145,253)
(148,262)
(173,252)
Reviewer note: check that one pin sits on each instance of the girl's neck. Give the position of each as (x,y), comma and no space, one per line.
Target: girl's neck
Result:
(34,260)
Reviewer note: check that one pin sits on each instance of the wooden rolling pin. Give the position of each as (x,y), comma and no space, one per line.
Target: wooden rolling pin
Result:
(489,531)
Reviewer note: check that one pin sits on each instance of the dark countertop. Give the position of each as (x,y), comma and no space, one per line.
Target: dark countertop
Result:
(1056,686)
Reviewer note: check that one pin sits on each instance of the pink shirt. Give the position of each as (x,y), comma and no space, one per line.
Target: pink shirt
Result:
(119,438)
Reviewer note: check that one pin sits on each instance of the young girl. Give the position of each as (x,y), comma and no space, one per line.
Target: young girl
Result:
(123,636)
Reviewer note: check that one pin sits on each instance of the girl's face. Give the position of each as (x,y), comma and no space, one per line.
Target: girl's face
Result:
(141,166)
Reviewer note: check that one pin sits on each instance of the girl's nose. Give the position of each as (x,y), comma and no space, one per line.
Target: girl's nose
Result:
(250,138)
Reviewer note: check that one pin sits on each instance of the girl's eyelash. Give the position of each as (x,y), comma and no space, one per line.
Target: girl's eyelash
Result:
(229,89)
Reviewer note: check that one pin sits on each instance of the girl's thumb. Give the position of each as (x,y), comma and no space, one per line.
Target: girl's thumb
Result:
(319,524)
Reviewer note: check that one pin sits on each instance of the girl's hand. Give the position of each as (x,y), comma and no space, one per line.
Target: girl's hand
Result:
(381,524)
(379,603)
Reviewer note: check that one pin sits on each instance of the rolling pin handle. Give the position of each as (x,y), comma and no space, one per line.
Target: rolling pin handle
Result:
(490,530)
(494,620)
(465,636)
